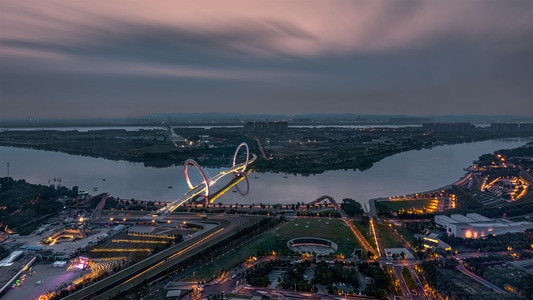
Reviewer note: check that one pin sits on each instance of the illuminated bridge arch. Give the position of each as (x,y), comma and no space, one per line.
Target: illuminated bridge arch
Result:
(243,144)
(191,162)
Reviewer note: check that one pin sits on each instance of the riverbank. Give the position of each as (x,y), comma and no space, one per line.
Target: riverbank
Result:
(400,174)
(496,180)
(302,151)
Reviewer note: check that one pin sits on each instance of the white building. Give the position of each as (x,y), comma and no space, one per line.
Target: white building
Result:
(477,226)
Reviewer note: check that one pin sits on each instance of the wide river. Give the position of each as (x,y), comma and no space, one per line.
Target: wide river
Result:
(404,173)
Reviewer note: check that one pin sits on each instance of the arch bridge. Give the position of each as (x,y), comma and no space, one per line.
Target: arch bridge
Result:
(203,188)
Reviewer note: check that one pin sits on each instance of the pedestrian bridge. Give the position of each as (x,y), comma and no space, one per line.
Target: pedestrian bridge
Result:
(203,188)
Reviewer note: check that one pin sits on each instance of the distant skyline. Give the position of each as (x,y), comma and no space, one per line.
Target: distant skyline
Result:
(124,59)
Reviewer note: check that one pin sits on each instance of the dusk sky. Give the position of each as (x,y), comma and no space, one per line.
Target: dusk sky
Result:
(70,59)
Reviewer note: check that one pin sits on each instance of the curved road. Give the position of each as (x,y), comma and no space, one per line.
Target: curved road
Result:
(461,267)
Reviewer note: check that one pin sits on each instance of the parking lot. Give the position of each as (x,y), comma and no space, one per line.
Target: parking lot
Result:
(45,278)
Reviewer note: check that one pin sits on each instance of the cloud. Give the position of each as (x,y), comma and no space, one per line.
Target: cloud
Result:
(303,28)
(359,55)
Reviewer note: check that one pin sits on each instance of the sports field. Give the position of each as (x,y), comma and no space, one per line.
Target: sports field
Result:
(327,228)
(275,241)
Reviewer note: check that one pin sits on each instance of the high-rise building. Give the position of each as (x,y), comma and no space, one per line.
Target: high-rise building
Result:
(266,127)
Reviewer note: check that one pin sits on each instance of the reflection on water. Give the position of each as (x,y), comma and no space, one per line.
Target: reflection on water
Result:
(404,173)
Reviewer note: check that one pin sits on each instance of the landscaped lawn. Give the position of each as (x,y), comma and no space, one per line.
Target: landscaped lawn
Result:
(408,235)
(365,230)
(409,204)
(327,228)
(276,240)
(387,238)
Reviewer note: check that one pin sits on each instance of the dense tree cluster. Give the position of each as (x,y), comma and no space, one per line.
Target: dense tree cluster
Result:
(296,151)
(294,277)
(24,206)
(506,276)
(338,272)
(352,207)
(516,154)
(258,274)
(408,215)
(131,204)
(330,213)
(472,262)
(382,282)
(441,276)
(517,241)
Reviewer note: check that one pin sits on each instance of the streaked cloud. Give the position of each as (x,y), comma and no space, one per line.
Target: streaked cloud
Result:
(407,56)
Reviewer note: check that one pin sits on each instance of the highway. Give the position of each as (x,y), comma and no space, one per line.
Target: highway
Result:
(158,263)
(159,267)
(102,287)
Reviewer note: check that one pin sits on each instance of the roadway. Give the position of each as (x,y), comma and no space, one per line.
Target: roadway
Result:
(97,213)
(102,288)
(418,292)
(156,263)
(403,286)
(462,269)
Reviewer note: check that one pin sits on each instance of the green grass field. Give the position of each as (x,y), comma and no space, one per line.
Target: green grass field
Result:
(407,234)
(364,228)
(326,228)
(387,239)
(397,205)
(276,240)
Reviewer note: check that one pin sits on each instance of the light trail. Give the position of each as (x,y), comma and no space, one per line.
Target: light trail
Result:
(151,235)
(140,241)
(362,241)
(223,191)
(373,230)
(122,250)
(175,254)
(203,187)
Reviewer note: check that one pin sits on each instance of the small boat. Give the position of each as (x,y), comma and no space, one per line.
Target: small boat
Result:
(169,187)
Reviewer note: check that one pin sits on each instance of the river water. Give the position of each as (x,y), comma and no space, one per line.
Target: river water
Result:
(404,173)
